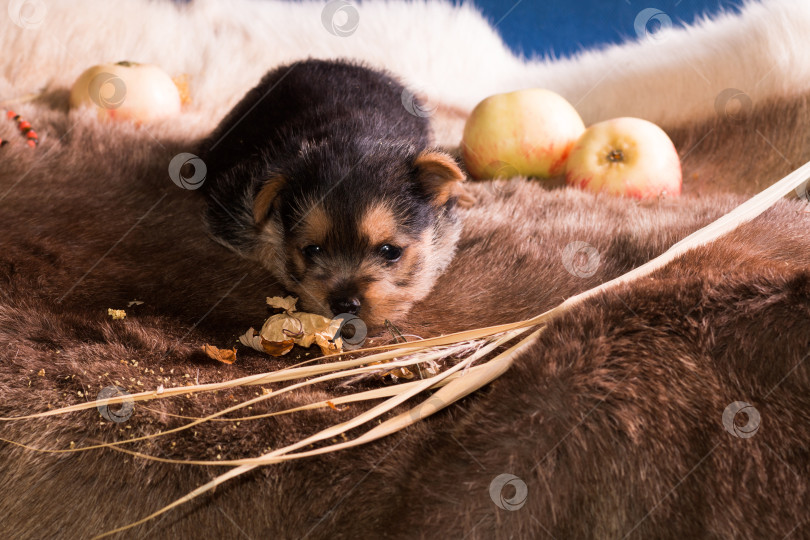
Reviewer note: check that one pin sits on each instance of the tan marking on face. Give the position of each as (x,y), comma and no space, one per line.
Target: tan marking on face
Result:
(273,252)
(381,299)
(270,249)
(422,261)
(313,227)
(379,225)
(384,299)
(297,258)
(266,197)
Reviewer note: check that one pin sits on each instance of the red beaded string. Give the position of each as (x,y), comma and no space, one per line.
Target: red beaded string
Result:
(25,129)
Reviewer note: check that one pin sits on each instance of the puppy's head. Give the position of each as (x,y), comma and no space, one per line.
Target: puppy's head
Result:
(364,231)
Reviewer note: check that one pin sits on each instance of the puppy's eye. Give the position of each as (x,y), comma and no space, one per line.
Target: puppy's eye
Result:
(390,252)
(311,251)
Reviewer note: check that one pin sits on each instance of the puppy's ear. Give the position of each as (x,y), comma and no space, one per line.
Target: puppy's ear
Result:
(266,197)
(441,178)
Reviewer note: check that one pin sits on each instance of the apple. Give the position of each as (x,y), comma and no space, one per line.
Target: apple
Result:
(127,91)
(526,132)
(625,156)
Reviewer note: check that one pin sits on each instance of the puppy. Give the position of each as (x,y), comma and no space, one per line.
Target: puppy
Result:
(324,176)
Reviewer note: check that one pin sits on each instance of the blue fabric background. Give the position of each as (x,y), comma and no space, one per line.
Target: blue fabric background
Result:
(562,27)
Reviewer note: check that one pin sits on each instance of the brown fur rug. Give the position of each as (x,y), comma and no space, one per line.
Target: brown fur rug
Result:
(613,419)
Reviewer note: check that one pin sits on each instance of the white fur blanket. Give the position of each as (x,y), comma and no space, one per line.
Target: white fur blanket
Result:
(450,52)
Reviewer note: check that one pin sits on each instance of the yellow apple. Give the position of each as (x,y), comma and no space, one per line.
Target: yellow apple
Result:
(625,156)
(527,132)
(126,91)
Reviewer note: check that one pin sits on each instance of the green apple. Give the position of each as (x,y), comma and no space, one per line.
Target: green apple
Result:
(528,132)
(625,156)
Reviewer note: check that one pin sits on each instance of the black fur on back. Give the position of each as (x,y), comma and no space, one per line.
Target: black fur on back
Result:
(322,123)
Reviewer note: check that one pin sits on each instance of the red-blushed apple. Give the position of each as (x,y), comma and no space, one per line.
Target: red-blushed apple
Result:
(126,91)
(528,132)
(625,156)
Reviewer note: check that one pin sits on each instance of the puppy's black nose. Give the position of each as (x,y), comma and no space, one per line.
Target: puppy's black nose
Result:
(344,305)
